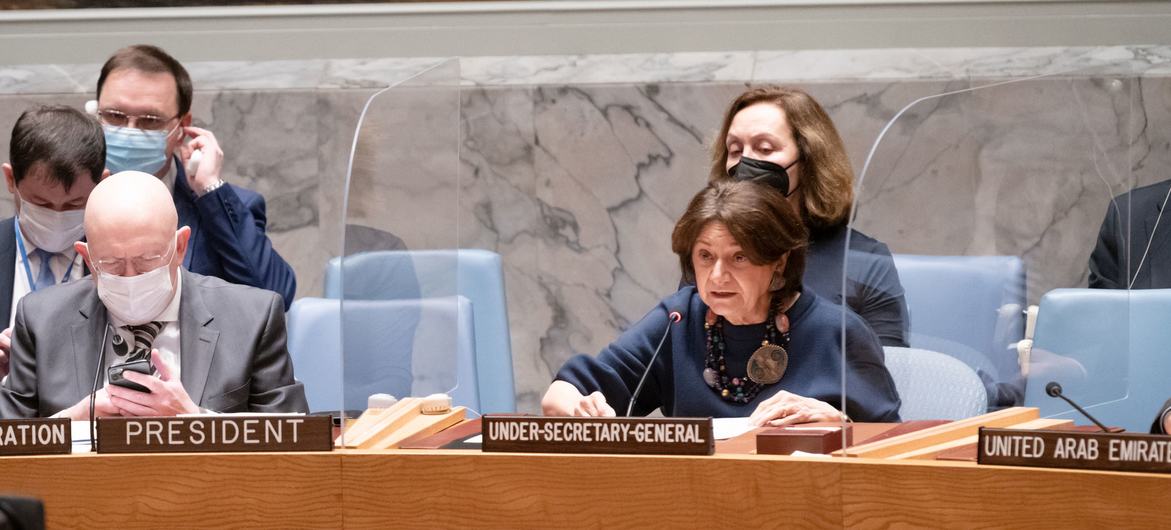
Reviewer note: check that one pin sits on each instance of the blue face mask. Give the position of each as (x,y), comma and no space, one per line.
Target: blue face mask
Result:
(130,149)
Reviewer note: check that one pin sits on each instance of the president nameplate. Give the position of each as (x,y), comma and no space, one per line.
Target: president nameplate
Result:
(646,436)
(209,434)
(35,437)
(1075,449)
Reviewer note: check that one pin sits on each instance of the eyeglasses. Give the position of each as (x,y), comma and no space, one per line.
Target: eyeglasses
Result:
(146,122)
(141,264)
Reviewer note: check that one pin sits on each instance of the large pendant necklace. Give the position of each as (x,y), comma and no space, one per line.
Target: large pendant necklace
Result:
(766,366)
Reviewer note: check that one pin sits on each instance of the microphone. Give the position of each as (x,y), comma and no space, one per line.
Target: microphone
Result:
(93,393)
(1054,390)
(673,317)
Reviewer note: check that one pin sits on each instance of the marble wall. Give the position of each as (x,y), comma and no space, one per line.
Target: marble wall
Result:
(575,168)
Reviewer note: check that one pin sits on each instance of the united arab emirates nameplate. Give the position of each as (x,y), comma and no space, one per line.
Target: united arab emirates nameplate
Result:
(1075,449)
(204,434)
(35,437)
(659,436)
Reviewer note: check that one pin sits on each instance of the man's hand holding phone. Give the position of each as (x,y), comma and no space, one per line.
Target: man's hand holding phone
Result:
(164,395)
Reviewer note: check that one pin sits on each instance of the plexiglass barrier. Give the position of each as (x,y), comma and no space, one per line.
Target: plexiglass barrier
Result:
(988,198)
(405,331)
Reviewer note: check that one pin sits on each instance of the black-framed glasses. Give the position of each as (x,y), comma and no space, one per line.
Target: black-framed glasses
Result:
(146,122)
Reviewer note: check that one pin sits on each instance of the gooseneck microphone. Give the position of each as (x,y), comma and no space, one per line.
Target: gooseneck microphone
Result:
(1054,390)
(93,393)
(673,317)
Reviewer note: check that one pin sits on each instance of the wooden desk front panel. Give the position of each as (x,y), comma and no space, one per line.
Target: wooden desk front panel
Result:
(435,489)
(413,489)
(951,495)
(258,490)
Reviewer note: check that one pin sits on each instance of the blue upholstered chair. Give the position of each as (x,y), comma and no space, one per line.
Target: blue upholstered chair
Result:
(969,307)
(934,386)
(1109,349)
(472,273)
(398,347)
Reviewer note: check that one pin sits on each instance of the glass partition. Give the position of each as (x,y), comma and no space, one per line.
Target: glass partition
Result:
(404,330)
(990,196)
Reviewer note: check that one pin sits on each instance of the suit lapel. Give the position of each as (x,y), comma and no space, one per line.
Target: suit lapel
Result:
(185,207)
(197,337)
(1153,269)
(87,337)
(7,268)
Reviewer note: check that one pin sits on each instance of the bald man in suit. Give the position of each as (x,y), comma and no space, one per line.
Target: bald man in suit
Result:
(214,346)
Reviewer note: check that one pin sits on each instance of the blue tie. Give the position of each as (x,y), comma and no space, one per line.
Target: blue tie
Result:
(45,277)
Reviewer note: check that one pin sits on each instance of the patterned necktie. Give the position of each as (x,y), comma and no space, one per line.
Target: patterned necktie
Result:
(45,277)
(144,335)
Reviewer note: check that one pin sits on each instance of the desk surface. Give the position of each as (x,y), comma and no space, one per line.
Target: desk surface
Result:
(435,488)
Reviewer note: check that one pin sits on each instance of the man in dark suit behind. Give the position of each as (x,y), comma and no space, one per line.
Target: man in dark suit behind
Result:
(216,346)
(1133,250)
(144,103)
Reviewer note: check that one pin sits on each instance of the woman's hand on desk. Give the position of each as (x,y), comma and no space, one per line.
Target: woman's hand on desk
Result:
(563,399)
(787,408)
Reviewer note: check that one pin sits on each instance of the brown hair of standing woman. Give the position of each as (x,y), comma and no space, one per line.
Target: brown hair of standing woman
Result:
(826,177)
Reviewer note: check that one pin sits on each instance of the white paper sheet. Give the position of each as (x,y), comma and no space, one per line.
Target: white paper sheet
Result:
(725,428)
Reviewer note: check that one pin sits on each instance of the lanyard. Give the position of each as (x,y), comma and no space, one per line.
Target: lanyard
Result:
(32,285)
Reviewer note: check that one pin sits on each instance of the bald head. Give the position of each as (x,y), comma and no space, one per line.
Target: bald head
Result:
(131,215)
(130,201)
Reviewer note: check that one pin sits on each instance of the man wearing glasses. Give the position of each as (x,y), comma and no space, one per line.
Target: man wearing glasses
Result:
(203,344)
(144,105)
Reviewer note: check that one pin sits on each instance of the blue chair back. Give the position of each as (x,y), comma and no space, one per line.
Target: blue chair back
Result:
(398,347)
(969,307)
(934,386)
(1109,351)
(473,273)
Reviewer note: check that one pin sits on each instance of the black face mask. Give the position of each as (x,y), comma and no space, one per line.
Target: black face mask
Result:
(764,172)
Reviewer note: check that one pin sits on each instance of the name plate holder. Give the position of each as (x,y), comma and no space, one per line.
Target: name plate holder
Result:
(1146,453)
(638,436)
(215,433)
(35,437)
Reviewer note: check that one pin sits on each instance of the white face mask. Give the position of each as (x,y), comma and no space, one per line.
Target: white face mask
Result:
(51,230)
(137,299)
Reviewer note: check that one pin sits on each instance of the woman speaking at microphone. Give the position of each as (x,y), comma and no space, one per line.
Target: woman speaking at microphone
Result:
(749,341)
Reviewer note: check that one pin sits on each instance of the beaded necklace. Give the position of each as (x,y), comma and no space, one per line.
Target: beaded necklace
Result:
(766,366)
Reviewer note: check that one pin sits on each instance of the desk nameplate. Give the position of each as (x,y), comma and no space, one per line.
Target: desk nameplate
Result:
(208,434)
(35,437)
(1075,449)
(645,436)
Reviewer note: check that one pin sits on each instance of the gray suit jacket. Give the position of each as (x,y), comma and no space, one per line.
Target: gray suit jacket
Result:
(232,356)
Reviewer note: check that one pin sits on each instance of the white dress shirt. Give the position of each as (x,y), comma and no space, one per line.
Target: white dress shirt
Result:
(60,264)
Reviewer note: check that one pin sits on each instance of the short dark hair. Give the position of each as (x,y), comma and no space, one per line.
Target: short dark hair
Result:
(150,59)
(759,218)
(63,138)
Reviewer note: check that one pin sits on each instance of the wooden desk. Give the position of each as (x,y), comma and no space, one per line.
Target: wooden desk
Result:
(465,488)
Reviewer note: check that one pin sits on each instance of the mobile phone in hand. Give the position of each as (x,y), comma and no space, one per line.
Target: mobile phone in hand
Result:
(114,374)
